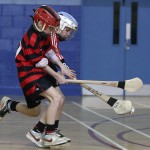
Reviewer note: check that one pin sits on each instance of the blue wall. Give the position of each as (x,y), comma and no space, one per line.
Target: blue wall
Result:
(99,55)
(14,21)
(103,60)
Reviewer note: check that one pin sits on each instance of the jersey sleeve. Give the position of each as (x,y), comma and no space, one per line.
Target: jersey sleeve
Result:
(55,47)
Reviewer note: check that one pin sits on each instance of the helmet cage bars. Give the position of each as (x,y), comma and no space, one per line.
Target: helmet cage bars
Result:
(66,20)
(47,16)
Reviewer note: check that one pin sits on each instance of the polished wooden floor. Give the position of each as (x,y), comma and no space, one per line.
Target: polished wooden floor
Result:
(89,122)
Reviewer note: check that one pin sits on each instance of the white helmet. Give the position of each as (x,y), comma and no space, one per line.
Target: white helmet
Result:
(66,20)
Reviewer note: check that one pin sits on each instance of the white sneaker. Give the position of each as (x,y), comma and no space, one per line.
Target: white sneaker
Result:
(3,107)
(52,139)
(62,136)
(35,137)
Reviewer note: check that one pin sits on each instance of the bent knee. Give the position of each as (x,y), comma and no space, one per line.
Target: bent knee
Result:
(61,98)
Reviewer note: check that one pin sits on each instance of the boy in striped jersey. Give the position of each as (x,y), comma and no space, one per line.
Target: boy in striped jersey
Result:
(67,29)
(37,79)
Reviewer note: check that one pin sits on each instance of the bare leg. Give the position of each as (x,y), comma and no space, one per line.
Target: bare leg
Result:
(61,105)
(48,119)
(43,117)
(32,112)
(6,105)
(55,97)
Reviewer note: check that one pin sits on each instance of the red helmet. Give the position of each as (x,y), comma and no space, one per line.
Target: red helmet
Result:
(47,16)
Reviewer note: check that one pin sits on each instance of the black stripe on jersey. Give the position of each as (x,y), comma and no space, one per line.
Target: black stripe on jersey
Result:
(29,33)
(23,43)
(27,47)
(24,68)
(33,56)
(21,53)
(37,40)
(36,46)
(30,85)
(28,36)
(21,79)
(18,59)
(46,47)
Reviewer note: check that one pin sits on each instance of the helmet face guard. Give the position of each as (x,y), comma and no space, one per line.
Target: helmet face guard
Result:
(67,33)
(47,16)
(67,21)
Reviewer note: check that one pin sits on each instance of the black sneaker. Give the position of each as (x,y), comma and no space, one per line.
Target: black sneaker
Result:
(3,107)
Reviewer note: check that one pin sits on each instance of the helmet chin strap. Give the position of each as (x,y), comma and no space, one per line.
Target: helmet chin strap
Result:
(44,25)
(40,30)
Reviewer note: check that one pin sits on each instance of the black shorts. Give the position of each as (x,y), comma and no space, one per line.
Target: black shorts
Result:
(42,85)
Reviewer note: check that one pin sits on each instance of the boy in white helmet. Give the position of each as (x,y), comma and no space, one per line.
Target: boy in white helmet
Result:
(67,29)
(37,79)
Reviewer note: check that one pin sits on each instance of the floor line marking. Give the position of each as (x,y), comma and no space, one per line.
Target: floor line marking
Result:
(146,106)
(146,135)
(96,132)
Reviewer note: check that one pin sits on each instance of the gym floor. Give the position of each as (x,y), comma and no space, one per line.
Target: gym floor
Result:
(89,122)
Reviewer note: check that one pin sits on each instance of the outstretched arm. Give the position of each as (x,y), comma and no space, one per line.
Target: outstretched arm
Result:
(66,71)
(43,64)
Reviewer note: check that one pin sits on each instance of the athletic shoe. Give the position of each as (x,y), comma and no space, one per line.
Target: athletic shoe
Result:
(3,107)
(35,137)
(53,139)
(62,136)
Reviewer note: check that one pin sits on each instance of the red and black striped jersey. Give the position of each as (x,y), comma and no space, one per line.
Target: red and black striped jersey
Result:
(55,46)
(32,49)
